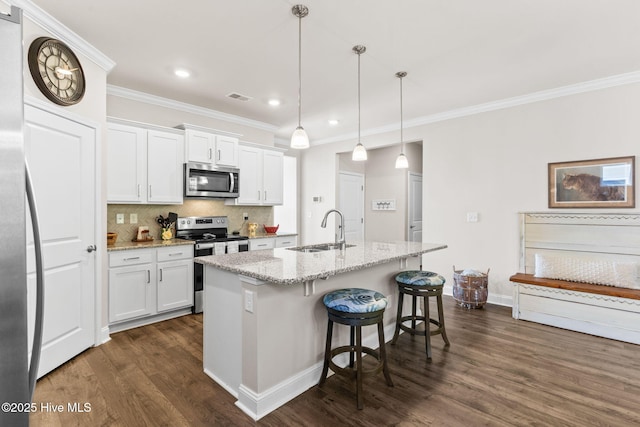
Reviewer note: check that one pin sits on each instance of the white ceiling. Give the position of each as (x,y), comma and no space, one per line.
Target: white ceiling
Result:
(457,53)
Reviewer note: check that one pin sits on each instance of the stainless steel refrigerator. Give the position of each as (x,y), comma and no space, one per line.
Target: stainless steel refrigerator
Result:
(18,372)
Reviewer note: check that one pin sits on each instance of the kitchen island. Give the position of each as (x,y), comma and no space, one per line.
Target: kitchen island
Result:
(264,321)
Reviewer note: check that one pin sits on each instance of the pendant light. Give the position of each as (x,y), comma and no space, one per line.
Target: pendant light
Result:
(299,139)
(359,152)
(401,161)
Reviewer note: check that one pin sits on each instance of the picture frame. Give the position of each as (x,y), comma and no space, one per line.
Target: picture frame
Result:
(597,183)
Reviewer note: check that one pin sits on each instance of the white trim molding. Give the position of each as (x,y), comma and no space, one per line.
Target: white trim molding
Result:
(543,95)
(135,95)
(59,30)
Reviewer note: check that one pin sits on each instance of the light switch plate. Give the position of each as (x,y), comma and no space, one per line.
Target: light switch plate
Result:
(472,216)
(133,218)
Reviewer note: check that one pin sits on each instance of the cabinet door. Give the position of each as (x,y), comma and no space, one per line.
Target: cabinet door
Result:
(226,151)
(164,167)
(250,163)
(200,146)
(273,162)
(126,164)
(175,285)
(131,292)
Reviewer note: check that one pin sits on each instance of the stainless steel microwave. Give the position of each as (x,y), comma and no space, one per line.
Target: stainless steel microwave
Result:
(209,181)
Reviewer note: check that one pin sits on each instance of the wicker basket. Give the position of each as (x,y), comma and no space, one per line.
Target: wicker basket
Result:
(470,291)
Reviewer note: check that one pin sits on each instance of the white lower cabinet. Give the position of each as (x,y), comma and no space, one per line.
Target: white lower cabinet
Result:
(175,278)
(145,282)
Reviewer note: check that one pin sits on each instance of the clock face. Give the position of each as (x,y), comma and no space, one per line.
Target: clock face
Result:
(56,71)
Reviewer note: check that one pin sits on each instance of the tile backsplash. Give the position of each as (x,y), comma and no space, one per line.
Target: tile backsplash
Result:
(147,215)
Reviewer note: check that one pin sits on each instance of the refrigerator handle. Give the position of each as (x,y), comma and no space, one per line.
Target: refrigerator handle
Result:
(37,335)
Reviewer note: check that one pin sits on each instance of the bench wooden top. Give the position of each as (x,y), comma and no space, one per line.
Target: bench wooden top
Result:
(576,286)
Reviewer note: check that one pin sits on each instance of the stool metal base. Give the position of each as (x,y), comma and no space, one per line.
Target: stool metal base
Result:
(355,371)
(425,292)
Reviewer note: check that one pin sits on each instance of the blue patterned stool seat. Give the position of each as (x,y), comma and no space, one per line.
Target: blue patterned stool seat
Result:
(420,278)
(355,300)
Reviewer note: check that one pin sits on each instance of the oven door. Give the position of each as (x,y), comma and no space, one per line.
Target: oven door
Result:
(207,181)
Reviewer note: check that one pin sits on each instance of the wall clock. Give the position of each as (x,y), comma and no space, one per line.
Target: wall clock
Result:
(56,71)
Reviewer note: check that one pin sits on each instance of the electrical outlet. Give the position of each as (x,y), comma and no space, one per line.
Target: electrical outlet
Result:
(120,218)
(248,301)
(133,218)
(472,216)
(245,216)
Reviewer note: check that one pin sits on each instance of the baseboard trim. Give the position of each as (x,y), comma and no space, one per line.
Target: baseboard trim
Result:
(257,405)
(142,321)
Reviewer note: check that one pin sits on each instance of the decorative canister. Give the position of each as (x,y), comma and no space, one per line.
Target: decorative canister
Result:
(252,226)
(167,234)
(470,287)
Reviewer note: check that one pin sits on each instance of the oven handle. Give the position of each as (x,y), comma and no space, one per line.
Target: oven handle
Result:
(233,182)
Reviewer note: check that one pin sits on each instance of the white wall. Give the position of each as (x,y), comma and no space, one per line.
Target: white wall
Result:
(493,163)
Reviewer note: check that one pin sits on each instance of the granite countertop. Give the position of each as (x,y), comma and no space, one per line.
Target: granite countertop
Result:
(287,267)
(123,246)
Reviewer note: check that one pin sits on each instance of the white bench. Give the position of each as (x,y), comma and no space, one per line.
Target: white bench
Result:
(606,311)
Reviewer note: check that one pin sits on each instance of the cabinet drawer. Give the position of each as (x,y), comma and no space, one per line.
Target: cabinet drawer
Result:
(286,241)
(174,253)
(264,243)
(121,258)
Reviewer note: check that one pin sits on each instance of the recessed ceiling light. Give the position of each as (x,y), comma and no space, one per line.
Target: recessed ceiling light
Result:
(274,102)
(181,72)
(334,122)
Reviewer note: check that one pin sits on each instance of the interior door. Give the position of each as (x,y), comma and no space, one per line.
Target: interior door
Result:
(352,205)
(415,208)
(61,156)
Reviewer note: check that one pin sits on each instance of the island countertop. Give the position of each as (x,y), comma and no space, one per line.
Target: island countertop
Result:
(286,266)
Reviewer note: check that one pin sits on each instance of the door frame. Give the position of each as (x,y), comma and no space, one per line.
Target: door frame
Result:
(411,200)
(340,189)
(100,334)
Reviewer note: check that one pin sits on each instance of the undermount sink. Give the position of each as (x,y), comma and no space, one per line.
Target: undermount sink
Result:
(318,248)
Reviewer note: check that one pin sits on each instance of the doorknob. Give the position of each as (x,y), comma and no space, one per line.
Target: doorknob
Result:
(91,248)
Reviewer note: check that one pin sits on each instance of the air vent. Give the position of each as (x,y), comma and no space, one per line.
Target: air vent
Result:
(238,96)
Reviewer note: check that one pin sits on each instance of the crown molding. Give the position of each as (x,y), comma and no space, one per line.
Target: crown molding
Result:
(544,95)
(62,32)
(135,95)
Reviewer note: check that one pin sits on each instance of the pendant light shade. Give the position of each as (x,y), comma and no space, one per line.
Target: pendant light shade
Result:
(401,162)
(299,139)
(359,153)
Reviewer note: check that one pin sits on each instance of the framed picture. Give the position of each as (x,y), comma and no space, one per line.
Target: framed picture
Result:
(599,183)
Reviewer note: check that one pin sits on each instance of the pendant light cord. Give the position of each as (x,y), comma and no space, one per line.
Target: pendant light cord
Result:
(358,98)
(401,124)
(299,69)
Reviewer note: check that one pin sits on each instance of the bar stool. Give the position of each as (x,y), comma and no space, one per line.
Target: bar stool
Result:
(355,307)
(424,284)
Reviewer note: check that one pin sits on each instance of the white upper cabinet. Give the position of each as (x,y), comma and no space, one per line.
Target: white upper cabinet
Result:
(210,146)
(164,167)
(145,164)
(226,151)
(126,163)
(261,171)
(199,146)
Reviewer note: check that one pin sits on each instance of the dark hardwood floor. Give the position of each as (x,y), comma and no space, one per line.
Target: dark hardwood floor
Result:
(497,372)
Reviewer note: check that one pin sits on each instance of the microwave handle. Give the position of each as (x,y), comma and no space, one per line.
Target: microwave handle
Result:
(233,182)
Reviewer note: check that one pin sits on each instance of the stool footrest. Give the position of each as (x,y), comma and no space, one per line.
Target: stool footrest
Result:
(351,372)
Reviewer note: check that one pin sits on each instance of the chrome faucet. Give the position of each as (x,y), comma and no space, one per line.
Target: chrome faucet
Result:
(339,241)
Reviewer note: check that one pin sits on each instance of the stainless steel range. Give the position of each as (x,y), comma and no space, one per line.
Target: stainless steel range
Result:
(211,236)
